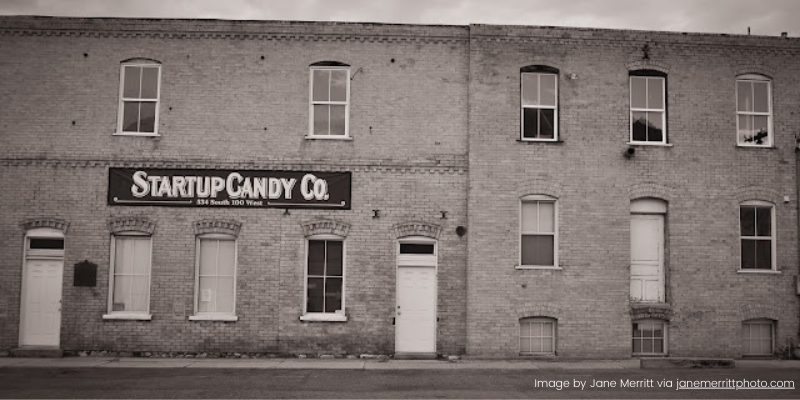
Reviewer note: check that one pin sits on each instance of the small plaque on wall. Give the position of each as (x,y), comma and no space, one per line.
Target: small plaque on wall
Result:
(85,274)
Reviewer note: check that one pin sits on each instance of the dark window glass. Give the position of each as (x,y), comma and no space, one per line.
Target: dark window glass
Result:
(414,248)
(334,258)
(747,218)
(763,221)
(537,250)
(130,116)
(748,254)
(316,257)
(333,294)
(546,124)
(531,120)
(763,254)
(147,116)
(655,130)
(315,296)
(639,126)
(47,244)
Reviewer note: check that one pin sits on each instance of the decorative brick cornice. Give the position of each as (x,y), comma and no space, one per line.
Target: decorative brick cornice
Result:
(416,228)
(223,226)
(326,227)
(131,223)
(648,64)
(753,68)
(45,222)
(662,311)
(745,193)
(758,311)
(543,186)
(651,189)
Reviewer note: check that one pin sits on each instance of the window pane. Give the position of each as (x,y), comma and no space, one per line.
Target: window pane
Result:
(227,254)
(525,345)
(150,83)
(639,126)
(131,83)
(637,345)
(655,127)
(139,288)
(746,133)
(334,264)
(636,331)
(525,329)
(537,250)
(207,294)
(141,256)
(761,97)
(744,96)
(547,345)
(123,259)
(316,257)
(547,212)
(763,254)
(530,89)
(333,294)
(225,295)
(339,85)
(122,293)
(658,346)
(748,254)
(147,114)
(338,120)
(315,295)
(547,95)
(39,243)
(530,219)
(531,123)
(416,248)
(320,88)
(655,93)
(760,129)
(763,221)
(747,220)
(546,124)
(130,116)
(208,257)
(321,119)
(638,92)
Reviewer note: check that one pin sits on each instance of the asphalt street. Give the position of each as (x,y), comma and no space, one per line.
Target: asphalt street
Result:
(305,383)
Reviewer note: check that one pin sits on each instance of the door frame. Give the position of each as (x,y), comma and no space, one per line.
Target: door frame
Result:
(653,207)
(418,261)
(39,254)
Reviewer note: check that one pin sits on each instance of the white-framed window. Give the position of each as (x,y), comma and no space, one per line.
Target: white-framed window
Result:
(537,335)
(139,93)
(538,232)
(539,99)
(215,278)
(325,279)
(757,235)
(758,337)
(648,109)
(129,278)
(754,111)
(649,337)
(329,108)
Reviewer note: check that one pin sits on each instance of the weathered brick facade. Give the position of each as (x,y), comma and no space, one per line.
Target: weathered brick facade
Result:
(435,122)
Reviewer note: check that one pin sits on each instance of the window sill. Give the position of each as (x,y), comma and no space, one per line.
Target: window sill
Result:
(649,144)
(759,271)
(533,141)
(323,317)
(135,134)
(538,267)
(744,146)
(213,317)
(129,317)
(330,137)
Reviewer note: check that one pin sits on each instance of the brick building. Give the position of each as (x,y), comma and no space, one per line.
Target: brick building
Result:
(348,188)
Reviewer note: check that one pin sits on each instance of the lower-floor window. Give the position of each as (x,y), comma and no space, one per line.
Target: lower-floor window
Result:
(757,337)
(130,274)
(537,336)
(649,337)
(325,276)
(216,275)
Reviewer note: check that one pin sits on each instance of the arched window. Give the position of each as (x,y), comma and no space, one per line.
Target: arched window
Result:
(139,94)
(538,232)
(537,335)
(757,235)
(539,100)
(648,92)
(754,111)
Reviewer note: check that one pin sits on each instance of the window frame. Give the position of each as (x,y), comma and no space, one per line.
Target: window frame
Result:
(758,321)
(553,335)
(648,75)
(538,74)
(123,99)
(215,315)
(772,237)
(130,315)
(312,103)
(325,316)
(664,337)
(771,131)
(538,198)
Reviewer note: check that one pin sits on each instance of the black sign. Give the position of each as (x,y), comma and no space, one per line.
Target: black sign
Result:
(228,188)
(85,274)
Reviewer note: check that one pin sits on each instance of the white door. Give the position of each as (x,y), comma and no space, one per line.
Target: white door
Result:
(415,330)
(647,258)
(41,303)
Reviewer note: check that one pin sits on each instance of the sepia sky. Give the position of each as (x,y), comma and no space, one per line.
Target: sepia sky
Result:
(764,17)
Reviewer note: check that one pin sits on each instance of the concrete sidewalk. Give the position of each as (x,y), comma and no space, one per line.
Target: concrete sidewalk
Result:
(293,363)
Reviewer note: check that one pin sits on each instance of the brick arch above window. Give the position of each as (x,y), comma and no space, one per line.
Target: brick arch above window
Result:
(759,311)
(645,65)
(757,69)
(649,311)
(541,186)
(326,227)
(416,228)
(222,226)
(131,223)
(546,310)
(329,64)
(542,68)
(746,193)
(45,222)
(142,60)
(651,190)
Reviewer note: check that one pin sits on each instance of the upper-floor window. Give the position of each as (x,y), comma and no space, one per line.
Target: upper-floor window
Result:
(754,110)
(538,232)
(539,99)
(138,98)
(330,101)
(757,224)
(648,107)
